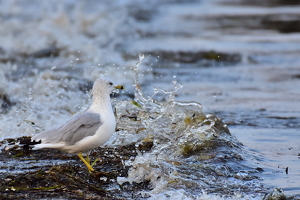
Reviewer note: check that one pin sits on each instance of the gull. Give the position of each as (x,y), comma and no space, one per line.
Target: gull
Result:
(85,131)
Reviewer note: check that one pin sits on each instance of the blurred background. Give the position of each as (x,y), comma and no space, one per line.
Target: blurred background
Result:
(238,58)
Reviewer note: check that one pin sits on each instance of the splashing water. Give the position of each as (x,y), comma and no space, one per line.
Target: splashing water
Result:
(139,97)
(187,145)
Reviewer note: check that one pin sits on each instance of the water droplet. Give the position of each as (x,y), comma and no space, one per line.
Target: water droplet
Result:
(141,56)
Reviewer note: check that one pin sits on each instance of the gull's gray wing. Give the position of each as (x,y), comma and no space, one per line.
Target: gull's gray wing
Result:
(74,130)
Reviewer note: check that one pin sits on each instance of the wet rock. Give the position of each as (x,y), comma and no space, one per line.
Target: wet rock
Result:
(296,76)
(283,26)
(53,174)
(5,56)
(145,146)
(276,194)
(25,67)
(223,171)
(85,86)
(204,57)
(219,124)
(47,52)
(283,22)
(6,103)
(141,14)
(241,176)
(268,3)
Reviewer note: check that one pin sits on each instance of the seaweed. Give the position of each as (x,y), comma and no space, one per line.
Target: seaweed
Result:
(65,176)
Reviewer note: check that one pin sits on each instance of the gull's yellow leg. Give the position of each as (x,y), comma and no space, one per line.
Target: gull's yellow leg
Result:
(88,159)
(85,162)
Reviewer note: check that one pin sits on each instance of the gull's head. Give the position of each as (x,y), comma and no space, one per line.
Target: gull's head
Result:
(104,86)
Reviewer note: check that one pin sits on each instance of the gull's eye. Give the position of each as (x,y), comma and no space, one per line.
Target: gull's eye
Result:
(110,83)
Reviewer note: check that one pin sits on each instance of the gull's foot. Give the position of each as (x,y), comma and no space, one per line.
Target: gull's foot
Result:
(87,164)
(97,159)
(91,170)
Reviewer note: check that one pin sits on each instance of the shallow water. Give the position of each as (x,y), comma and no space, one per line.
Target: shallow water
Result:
(239,59)
(274,150)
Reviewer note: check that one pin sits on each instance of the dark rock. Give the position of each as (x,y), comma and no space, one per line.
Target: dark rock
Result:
(6,103)
(190,56)
(47,52)
(66,180)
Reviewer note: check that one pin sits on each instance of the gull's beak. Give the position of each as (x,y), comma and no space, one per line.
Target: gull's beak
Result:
(119,87)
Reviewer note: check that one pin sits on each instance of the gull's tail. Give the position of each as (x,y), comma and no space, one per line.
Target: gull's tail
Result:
(27,141)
